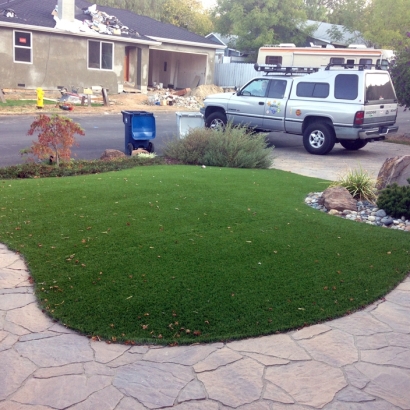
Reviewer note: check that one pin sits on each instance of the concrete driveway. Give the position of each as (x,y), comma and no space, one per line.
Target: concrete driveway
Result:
(295,159)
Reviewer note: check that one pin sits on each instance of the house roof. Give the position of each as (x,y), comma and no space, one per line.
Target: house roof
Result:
(323,32)
(38,13)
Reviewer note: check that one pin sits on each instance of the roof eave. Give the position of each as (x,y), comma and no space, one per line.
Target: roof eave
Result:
(79,34)
(186,43)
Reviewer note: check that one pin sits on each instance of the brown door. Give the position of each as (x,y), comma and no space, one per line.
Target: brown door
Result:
(127,64)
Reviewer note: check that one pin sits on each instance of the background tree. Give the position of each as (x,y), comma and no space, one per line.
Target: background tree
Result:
(150,8)
(385,23)
(400,73)
(259,22)
(55,137)
(187,14)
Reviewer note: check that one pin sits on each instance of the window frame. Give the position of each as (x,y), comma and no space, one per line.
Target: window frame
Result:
(100,42)
(313,84)
(16,46)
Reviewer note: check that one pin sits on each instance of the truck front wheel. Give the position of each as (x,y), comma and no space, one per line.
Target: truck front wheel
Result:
(319,138)
(216,120)
(352,145)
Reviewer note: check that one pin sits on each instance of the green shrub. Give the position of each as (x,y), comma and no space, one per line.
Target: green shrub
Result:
(71,168)
(191,149)
(234,147)
(395,200)
(359,183)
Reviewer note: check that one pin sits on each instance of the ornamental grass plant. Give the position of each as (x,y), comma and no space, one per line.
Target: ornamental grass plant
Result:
(184,254)
(359,183)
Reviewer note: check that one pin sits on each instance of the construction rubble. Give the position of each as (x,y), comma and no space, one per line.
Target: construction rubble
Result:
(186,97)
(100,22)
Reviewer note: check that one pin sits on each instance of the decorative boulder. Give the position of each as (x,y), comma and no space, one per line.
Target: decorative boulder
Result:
(139,151)
(396,170)
(338,198)
(110,154)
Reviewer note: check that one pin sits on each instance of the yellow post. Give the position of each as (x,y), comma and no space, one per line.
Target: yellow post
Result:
(40,98)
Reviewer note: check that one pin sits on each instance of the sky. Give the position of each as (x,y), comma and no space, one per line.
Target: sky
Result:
(208,3)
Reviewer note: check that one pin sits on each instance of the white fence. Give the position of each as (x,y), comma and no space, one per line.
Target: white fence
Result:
(231,74)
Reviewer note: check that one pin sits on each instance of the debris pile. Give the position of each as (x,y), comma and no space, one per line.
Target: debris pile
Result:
(106,24)
(183,98)
(100,22)
(9,13)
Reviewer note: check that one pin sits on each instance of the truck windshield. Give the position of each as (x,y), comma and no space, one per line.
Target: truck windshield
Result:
(379,88)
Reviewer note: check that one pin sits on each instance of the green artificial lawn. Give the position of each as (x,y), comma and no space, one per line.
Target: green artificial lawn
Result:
(182,254)
(23,103)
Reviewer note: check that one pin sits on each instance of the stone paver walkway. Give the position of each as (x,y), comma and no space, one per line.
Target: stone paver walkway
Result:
(359,362)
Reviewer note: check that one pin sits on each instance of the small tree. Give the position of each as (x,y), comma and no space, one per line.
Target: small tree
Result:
(400,73)
(55,138)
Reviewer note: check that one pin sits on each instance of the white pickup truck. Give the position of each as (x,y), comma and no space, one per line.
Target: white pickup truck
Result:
(350,105)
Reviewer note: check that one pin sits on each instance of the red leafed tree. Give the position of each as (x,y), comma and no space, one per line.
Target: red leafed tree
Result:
(55,137)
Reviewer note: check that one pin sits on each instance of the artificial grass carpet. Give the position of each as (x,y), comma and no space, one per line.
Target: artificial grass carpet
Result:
(181,254)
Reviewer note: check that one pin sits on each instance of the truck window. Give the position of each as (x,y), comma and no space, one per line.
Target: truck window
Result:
(277,89)
(273,60)
(312,90)
(346,86)
(379,87)
(256,88)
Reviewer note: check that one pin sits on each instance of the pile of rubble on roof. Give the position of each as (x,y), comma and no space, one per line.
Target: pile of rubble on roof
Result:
(100,22)
(104,23)
(182,98)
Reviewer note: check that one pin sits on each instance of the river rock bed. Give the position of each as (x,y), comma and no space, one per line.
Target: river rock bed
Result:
(367,212)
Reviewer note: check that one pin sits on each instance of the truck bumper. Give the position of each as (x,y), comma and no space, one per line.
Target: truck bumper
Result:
(377,132)
(369,134)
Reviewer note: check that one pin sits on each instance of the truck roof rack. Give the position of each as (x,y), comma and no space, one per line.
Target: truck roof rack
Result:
(278,69)
(359,67)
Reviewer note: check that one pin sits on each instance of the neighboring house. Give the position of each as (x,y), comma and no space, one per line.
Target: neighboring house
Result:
(326,34)
(83,45)
(227,54)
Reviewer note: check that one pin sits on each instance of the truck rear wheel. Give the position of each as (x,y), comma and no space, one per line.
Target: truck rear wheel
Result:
(319,138)
(216,120)
(352,145)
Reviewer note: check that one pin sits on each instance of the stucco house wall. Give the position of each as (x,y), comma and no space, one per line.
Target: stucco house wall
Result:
(152,52)
(58,60)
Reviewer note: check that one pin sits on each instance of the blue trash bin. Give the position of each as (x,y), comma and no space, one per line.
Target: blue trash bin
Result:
(139,130)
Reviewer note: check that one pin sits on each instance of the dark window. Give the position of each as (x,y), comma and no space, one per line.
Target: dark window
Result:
(312,90)
(346,86)
(337,60)
(22,47)
(350,63)
(106,56)
(100,55)
(277,89)
(367,62)
(379,87)
(273,60)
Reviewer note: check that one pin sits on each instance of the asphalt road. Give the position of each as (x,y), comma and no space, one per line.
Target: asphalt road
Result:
(101,132)
(107,131)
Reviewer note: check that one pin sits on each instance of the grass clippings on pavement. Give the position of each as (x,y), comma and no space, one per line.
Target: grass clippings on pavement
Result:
(184,254)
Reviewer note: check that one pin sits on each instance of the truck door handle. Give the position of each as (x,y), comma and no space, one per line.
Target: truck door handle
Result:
(261,103)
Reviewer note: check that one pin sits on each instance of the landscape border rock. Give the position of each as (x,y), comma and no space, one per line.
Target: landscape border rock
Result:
(338,198)
(394,170)
(110,154)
